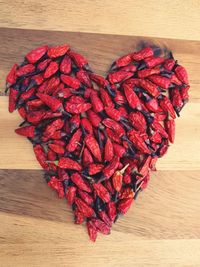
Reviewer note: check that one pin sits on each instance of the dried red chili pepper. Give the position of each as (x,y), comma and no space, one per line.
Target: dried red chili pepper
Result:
(160,81)
(170,129)
(80,182)
(124,205)
(119,76)
(112,211)
(108,150)
(79,60)
(101,226)
(182,75)
(11,77)
(102,192)
(66,65)
(151,62)
(92,231)
(85,123)
(84,78)
(74,141)
(94,118)
(167,106)
(51,69)
(132,98)
(22,71)
(117,178)
(67,163)
(41,156)
(105,97)
(12,99)
(169,64)
(51,102)
(36,54)
(57,148)
(28,131)
(148,72)
(70,194)
(143,53)
(96,102)
(75,122)
(95,168)
(77,108)
(115,126)
(149,87)
(86,210)
(87,157)
(70,81)
(58,51)
(93,146)
(110,169)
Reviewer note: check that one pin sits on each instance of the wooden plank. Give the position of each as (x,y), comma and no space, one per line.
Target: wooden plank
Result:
(100,49)
(182,155)
(175,19)
(167,209)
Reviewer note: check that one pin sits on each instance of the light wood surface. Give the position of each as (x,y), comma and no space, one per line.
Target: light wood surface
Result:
(163,226)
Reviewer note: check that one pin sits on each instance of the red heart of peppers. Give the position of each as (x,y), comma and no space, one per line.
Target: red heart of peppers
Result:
(97,139)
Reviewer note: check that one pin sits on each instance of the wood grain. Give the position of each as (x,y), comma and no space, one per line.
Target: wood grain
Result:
(172,19)
(162,227)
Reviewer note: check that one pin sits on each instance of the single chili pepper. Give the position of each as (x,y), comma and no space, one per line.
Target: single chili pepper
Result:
(114,114)
(78,216)
(13,95)
(78,180)
(51,102)
(22,112)
(156,137)
(105,97)
(87,157)
(120,98)
(70,194)
(170,129)
(163,148)
(28,131)
(98,79)
(85,123)
(182,75)
(138,121)
(143,53)
(74,141)
(124,205)
(36,54)
(11,77)
(149,87)
(102,192)
(160,116)
(87,92)
(25,96)
(93,146)
(158,127)
(119,150)
(55,184)
(94,118)
(84,78)
(144,169)
(76,99)
(92,231)
(41,156)
(112,211)
(60,143)
(43,64)
(176,99)
(126,193)
(85,197)
(96,102)
(132,82)
(64,93)
(184,93)
(36,80)
(110,169)
(51,155)
(75,122)
(151,103)
(66,65)
(35,116)
(79,60)
(132,98)
(160,81)
(166,105)
(101,226)
(58,51)
(95,168)
(22,71)
(148,72)
(86,210)
(51,69)
(117,178)
(122,61)
(152,165)
(138,142)
(108,150)
(77,108)
(115,126)
(119,76)
(123,112)
(175,80)
(169,64)
(113,136)
(129,68)
(67,163)
(70,81)
(151,62)
(57,149)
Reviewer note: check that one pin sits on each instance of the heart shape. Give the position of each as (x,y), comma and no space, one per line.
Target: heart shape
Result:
(98,138)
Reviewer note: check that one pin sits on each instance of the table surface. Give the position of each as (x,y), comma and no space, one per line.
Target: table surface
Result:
(163,226)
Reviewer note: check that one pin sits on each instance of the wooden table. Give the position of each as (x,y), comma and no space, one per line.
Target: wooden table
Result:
(163,227)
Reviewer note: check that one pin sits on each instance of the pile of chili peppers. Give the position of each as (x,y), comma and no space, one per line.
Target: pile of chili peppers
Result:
(98,138)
